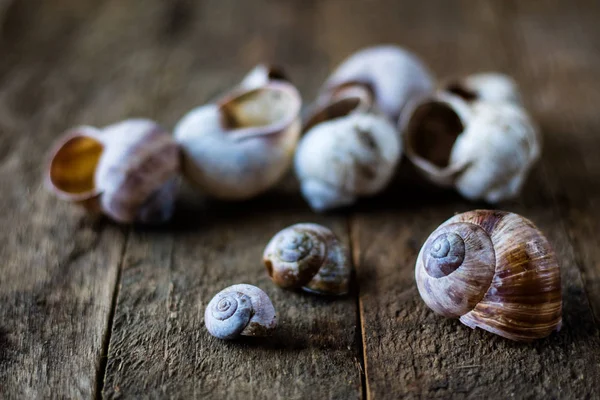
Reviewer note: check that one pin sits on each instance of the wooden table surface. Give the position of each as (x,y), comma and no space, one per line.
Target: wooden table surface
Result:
(92,309)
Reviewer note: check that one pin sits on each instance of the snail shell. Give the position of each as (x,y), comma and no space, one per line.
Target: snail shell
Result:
(349,150)
(240,310)
(489,86)
(394,77)
(127,170)
(484,149)
(495,271)
(263,74)
(243,145)
(308,256)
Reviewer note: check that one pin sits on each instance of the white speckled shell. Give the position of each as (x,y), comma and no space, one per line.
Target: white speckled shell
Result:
(489,86)
(396,77)
(501,144)
(309,256)
(491,157)
(341,159)
(236,164)
(240,310)
(261,75)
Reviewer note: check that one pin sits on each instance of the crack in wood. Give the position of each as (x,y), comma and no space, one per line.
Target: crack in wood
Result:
(103,360)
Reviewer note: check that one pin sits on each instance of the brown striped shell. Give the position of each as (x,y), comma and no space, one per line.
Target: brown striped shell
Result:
(308,256)
(127,170)
(495,271)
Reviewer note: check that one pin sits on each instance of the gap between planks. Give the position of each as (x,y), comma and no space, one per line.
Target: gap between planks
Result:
(103,362)
(360,330)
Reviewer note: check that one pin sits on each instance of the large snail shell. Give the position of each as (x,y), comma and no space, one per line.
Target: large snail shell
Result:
(484,149)
(240,310)
(308,256)
(394,75)
(127,170)
(243,145)
(495,271)
(346,152)
(489,86)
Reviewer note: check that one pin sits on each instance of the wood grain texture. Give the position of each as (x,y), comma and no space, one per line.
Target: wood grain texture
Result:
(59,68)
(91,309)
(59,267)
(411,352)
(566,92)
(159,344)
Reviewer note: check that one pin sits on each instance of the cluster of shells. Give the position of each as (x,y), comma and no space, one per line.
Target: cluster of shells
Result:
(471,134)
(492,270)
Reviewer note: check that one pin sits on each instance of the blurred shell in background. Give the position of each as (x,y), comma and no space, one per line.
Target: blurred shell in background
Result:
(349,150)
(263,74)
(127,170)
(481,142)
(351,146)
(489,86)
(242,145)
(393,76)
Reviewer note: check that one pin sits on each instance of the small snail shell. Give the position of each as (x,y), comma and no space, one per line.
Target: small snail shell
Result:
(240,310)
(127,170)
(346,152)
(484,149)
(243,145)
(490,86)
(308,256)
(263,74)
(394,76)
(495,271)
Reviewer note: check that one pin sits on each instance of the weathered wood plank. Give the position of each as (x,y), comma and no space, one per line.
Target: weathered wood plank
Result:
(59,268)
(62,64)
(409,350)
(159,344)
(565,103)
(96,62)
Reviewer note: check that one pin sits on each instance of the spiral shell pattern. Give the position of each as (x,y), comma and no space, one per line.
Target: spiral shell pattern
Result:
(294,256)
(229,314)
(310,257)
(455,268)
(445,254)
(495,271)
(240,310)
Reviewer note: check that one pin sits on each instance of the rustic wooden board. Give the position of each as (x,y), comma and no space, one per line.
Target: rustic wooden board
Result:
(159,344)
(410,352)
(59,68)
(566,78)
(93,309)
(59,267)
